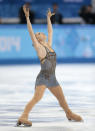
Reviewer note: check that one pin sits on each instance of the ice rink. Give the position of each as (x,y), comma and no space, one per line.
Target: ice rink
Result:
(17,85)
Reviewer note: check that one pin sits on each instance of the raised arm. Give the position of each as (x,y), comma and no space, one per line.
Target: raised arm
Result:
(50,30)
(39,48)
(32,35)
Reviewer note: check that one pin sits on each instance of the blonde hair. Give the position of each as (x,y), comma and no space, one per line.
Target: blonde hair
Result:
(38,36)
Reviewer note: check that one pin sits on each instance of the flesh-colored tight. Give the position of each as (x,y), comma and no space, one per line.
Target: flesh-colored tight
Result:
(58,93)
(39,92)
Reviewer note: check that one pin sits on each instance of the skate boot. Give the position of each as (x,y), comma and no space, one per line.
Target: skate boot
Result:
(72,116)
(24,122)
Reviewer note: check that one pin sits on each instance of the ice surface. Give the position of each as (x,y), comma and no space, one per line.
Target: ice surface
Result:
(17,85)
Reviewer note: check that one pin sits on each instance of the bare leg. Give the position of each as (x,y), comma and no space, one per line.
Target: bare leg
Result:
(39,91)
(58,93)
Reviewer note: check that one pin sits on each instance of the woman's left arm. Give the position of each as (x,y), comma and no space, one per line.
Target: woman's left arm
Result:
(50,30)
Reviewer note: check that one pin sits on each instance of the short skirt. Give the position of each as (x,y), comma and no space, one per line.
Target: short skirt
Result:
(49,81)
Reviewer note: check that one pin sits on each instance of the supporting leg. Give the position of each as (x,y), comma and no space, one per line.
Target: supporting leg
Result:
(36,98)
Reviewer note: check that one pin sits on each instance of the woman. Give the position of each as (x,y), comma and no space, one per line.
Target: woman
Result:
(46,78)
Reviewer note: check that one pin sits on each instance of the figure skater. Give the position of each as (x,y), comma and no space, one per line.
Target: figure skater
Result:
(46,78)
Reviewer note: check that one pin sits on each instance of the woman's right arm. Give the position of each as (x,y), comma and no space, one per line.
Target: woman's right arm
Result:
(39,48)
(32,35)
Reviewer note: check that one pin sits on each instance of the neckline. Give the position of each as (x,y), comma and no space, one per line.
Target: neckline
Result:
(49,50)
(52,51)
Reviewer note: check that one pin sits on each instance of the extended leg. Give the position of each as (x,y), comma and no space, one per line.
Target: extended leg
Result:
(58,93)
(36,98)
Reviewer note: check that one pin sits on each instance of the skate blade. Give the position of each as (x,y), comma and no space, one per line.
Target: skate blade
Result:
(21,124)
(71,120)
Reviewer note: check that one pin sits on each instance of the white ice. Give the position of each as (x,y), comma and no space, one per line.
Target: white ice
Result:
(17,85)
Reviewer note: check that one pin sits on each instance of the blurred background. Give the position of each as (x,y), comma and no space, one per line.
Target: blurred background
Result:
(73,27)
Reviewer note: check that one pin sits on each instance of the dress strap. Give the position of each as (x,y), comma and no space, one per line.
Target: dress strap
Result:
(47,53)
(47,50)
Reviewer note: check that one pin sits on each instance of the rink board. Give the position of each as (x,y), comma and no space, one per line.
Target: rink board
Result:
(76,43)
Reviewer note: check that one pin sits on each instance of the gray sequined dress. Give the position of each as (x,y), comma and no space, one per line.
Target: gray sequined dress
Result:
(46,75)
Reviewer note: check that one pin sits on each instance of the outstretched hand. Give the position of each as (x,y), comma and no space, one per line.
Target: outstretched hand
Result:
(49,13)
(26,10)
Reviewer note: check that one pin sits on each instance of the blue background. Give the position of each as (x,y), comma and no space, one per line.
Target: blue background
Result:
(67,9)
(72,43)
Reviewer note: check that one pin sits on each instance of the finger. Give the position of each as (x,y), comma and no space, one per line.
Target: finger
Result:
(23,7)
